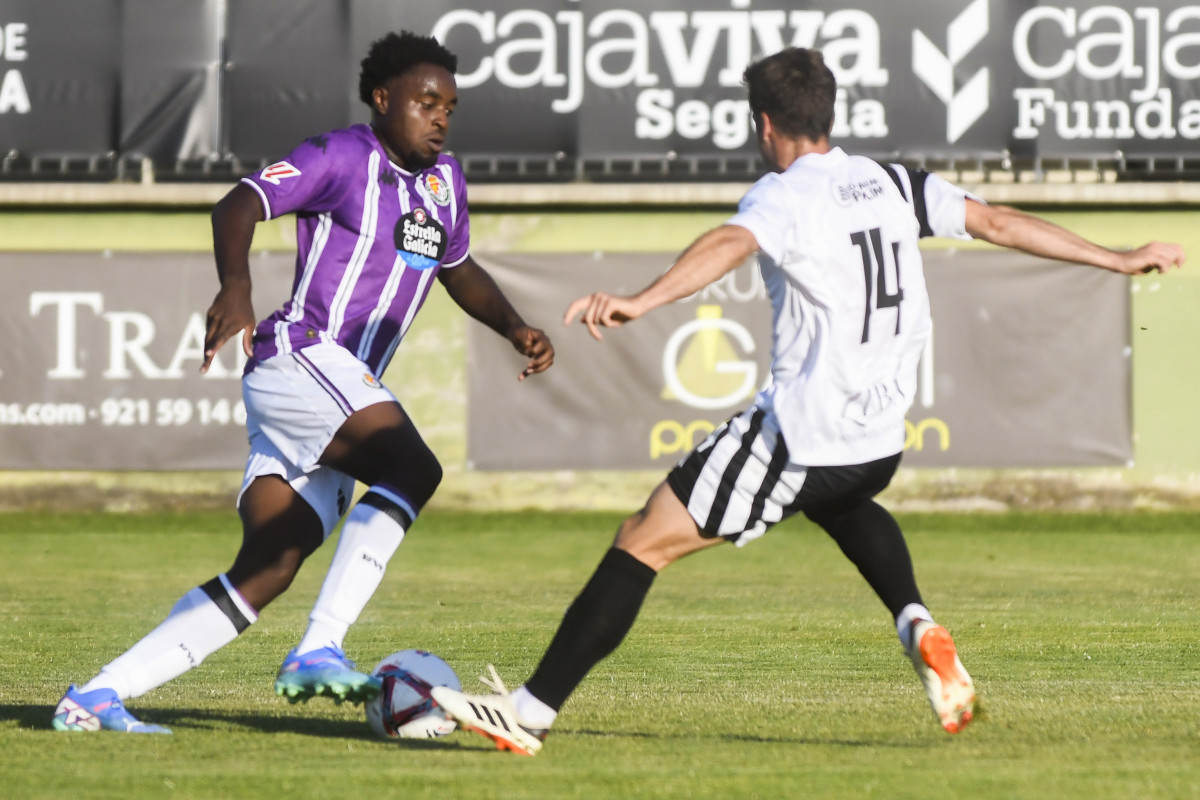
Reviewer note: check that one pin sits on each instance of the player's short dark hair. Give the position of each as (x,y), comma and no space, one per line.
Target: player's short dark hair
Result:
(397,53)
(795,89)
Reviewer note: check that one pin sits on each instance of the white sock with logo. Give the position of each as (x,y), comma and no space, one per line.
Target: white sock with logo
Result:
(904,621)
(373,530)
(203,621)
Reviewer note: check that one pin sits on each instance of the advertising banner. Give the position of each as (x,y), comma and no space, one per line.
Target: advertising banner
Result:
(288,74)
(1106,78)
(664,79)
(171,69)
(590,85)
(103,367)
(59,77)
(1028,366)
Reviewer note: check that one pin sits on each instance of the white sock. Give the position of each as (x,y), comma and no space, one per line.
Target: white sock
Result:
(532,713)
(203,621)
(904,621)
(373,530)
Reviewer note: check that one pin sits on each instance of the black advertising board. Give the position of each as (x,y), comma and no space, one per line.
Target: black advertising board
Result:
(59,77)
(584,82)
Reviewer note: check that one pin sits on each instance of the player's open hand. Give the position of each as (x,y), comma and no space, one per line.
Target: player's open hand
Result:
(601,310)
(535,344)
(1152,257)
(230,312)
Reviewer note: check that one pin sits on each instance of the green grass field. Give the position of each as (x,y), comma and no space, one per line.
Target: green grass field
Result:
(764,672)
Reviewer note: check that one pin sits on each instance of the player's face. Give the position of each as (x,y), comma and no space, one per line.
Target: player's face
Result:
(412,114)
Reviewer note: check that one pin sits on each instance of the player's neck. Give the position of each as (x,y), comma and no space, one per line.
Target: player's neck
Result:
(787,150)
(388,150)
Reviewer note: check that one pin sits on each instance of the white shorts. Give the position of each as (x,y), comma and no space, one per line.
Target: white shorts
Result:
(295,403)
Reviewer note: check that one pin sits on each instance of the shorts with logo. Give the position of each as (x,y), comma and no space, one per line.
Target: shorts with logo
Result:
(295,403)
(739,481)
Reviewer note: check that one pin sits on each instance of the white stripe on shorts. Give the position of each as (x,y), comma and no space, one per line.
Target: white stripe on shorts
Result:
(739,480)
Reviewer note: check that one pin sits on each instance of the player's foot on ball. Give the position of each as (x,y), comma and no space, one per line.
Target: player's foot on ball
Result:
(99,709)
(947,684)
(491,715)
(323,672)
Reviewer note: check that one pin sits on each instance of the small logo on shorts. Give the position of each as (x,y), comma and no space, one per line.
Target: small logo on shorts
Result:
(372,381)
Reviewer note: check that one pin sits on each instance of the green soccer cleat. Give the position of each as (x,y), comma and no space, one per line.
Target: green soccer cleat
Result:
(324,672)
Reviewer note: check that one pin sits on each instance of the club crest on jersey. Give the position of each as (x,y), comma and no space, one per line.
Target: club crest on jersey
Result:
(420,239)
(438,189)
(278,171)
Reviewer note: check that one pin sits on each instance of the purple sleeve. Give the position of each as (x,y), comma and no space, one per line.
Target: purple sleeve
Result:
(308,179)
(459,246)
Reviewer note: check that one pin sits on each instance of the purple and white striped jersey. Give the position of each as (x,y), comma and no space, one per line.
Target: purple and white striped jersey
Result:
(370,238)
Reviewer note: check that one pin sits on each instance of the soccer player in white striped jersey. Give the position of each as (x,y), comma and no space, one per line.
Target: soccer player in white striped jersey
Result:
(836,237)
(380,212)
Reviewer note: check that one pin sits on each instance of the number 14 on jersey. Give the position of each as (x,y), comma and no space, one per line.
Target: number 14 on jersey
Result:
(875,269)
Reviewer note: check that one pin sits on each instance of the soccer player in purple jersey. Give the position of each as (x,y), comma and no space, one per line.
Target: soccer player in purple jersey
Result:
(380,212)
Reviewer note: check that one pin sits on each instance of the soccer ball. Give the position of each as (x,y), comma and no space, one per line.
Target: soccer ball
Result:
(404,709)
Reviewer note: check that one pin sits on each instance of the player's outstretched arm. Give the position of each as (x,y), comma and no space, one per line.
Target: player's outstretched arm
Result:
(704,261)
(233,221)
(469,285)
(1009,227)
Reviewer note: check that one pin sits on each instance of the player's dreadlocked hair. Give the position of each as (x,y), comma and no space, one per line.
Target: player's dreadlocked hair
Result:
(796,90)
(396,54)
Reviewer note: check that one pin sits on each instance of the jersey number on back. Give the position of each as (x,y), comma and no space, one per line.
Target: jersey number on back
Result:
(870,245)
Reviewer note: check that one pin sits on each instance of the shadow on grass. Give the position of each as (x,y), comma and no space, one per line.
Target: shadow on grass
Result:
(37,717)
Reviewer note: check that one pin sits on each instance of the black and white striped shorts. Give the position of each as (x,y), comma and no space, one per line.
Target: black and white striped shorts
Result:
(739,481)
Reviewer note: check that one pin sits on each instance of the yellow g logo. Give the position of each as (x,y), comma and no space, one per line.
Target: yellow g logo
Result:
(700,366)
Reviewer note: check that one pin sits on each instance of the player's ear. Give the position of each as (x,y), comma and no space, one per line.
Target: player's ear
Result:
(379,99)
(764,125)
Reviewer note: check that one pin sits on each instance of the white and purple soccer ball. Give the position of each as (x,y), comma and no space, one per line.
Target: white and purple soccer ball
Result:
(404,708)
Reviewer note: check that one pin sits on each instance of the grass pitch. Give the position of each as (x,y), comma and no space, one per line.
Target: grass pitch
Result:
(765,672)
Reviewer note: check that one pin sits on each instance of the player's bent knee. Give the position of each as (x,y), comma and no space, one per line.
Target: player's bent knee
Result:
(417,477)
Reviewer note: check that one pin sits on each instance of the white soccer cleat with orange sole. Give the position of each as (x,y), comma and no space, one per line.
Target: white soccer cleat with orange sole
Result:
(947,684)
(491,715)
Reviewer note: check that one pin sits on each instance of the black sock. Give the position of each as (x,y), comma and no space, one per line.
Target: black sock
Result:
(592,627)
(871,539)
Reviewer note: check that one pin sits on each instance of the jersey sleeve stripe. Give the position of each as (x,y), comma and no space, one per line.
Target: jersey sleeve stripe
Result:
(911,183)
(892,171)
(917,177)
(262,196)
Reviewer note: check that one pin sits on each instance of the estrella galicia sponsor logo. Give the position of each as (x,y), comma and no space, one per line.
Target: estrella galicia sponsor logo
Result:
(965,105)
(420,239)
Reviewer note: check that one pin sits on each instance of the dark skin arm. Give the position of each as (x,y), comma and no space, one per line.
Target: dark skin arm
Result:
(477,294)
(233,221)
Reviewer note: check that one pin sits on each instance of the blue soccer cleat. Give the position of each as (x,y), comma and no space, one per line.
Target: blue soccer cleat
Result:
(324,672)
(99,709)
